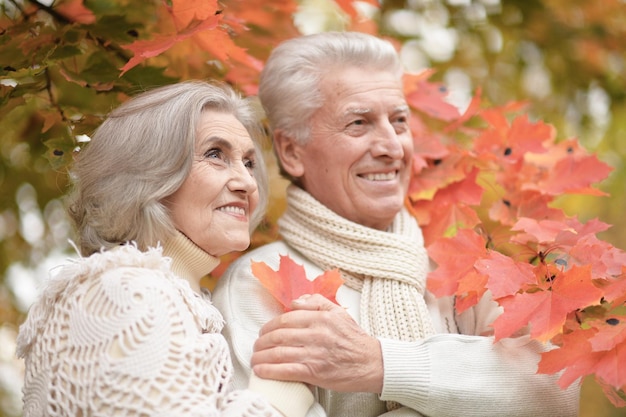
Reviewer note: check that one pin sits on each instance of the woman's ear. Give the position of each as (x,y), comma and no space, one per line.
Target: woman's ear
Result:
(289,152)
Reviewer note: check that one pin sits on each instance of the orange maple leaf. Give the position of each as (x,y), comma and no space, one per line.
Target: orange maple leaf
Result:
(143,49)
(506,276)
(455,258)
(348,7)
(615,288)
(567,168)
(578,359)
(290,281)
(546,310)
(185,12)
(429,98)
(75,11)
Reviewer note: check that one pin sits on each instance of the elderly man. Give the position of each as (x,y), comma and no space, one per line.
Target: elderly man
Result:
(340,128)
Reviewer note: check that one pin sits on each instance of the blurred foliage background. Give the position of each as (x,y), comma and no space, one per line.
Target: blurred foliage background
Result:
(60,74)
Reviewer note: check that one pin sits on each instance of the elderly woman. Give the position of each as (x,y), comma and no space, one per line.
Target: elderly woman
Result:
(172,180)
(341,132)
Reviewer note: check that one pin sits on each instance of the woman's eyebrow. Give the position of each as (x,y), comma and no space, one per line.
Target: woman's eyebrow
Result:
(218,140)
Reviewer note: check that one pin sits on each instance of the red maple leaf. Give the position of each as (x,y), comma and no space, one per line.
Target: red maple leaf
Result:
(615,288)
(429,97)
(611,332)
(578,359)
(143,49)
(455,258)
(607,260)
(546,309)
(510,143)
(348,7)
(506,276)
(289,282)
(75,11)
(567,168)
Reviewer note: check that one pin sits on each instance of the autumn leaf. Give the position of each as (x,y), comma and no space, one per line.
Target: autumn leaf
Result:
(575,354)
(606,260)
(455,258)
(615,288)
(348,7)
(526,203)
(506,276)
(290,281)
(511,142)
(75,11)
(144,49)
(429,98)
(546,309)
(578,359)
(471,289)
(611,332)
(427,147)
(186,11)
(567,168)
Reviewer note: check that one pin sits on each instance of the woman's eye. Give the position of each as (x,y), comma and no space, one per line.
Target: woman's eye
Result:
(213,153)
(250,163)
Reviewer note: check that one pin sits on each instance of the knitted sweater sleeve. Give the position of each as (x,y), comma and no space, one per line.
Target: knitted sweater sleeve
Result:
(128,341)
(469,375)
(246,307)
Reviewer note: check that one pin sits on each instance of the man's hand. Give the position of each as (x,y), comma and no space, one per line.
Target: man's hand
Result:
(320,344)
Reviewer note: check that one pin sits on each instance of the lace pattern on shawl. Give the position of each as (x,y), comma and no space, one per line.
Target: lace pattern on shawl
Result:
(117,334)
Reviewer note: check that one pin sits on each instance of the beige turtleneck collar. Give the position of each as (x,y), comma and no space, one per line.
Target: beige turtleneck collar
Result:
(188,260)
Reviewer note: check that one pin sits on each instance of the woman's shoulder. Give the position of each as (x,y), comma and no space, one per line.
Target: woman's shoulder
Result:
(125,282)
(115,271)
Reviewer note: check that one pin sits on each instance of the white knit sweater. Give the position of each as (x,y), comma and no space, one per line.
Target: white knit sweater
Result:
(459,371)
(121,334)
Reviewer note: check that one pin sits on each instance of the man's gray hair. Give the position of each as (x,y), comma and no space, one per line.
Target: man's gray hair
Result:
(289,87)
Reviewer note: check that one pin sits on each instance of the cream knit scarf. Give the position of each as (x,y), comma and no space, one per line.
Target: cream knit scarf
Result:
(388,267)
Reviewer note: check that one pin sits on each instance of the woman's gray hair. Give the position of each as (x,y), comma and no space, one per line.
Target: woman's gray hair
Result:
(289,85)
(141,154)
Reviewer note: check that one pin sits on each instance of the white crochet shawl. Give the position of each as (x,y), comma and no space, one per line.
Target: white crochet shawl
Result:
(119,334)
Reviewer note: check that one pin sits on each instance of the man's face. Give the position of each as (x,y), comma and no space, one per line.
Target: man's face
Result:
(357,160)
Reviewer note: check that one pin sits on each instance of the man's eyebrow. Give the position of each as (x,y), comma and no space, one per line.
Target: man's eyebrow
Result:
(357,110)
(402,108)
(365,110)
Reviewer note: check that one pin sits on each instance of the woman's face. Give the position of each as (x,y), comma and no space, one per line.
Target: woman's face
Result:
(214,204)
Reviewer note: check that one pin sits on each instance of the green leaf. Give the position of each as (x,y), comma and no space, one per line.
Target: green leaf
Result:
(59,151)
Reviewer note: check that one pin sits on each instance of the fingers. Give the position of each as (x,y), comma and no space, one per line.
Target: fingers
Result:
(319,344)
(296,319)
(314,302)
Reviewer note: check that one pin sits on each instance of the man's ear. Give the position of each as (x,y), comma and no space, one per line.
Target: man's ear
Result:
(289,152)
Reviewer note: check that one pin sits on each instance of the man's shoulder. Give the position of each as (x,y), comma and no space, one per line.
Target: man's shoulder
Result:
(238,277)
(269,253)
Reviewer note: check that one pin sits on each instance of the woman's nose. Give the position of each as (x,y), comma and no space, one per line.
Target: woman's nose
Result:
(242,179)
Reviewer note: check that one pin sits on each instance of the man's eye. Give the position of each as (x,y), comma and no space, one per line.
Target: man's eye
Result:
(402,119)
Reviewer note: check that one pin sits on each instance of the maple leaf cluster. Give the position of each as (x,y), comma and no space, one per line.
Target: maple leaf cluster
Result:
(483,190)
